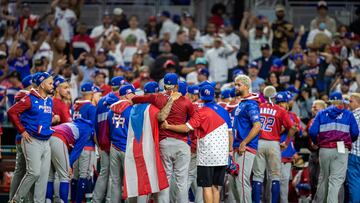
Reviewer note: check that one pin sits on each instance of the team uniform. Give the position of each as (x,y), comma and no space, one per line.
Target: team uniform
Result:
(62,110)
(213,143)
(245,115)
(33,114)
(118,122)
(175,152)
(333,130)
(68,137)
(273,118)
(84,166)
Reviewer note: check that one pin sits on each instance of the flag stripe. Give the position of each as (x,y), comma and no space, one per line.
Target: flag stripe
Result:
(130,166)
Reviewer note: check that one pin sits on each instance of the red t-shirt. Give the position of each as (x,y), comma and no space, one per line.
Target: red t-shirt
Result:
(272,118)
(106,89)
(193,137)
(61,109)
(181,110)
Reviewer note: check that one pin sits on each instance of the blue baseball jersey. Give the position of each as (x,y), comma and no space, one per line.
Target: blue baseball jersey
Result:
(86,110)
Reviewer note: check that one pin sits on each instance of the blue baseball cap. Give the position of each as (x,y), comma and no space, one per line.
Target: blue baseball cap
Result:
(277,62)
(171,79)
(166,14)
(254,64)
(336,96)
(27,81)
(207,93)
(182,87)
(290,95)
(87,87)
(204,71)
(206,82)
(225,93)
(237,72)
(292,89)
(151,87)
(58,80)
(233,92)
(97,89)
(126,89)
(125,68)
(117,81)
(281,97)
(193,89)
(41,77)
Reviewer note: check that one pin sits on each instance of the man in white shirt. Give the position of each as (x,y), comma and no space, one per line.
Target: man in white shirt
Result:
(217,60)
(65,19)
(207,40)
(318,36)
(134,30)
(355,59)
(322,10)
(102,31)
(234,41)
(168,26)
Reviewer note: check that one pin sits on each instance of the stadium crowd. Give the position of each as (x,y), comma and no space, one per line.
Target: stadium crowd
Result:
(220,107)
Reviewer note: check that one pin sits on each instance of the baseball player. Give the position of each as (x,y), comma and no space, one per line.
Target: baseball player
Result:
(193,95)
(20,164)
(214,140)
(273,118)
(118,120)
(246,126)
(32,117)
(175,152)
(333,130)
(61,99)
(68,137)
(103,140)
(84,167)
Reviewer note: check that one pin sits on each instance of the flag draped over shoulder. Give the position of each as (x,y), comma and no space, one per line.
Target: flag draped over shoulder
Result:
(144,172)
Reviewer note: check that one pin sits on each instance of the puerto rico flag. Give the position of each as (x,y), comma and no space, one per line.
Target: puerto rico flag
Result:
(144,172)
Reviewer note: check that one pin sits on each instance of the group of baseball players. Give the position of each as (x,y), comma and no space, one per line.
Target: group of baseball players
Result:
(201,139)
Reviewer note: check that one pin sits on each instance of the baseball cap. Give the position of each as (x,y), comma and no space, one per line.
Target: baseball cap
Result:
(38,62)
(97,89)
(126,89)
(34,76)
(58,80)
(99,72)
(101,51)
(193,89)
(166,14)
(124,68)
(152,18)
(169,63)
(225,93)
(117,81)
(336,96)
(237,72)
(254,64)
(27,81)
(200,60)
(207,93)
(281,97)
(87,87)
(171,79)
(204,71)
(265,46)
(199,49)
(227,23)
(322,4)
(182,87)
(151,87)
(41,77)
(118,11)
(357,47)
(277,62)
(279,7)
(207,82)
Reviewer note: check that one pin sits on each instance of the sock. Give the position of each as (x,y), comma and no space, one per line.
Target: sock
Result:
(64,191)
(74,183)
(80,190)
(275,191)
(50,191)
(89,190)
(257,189)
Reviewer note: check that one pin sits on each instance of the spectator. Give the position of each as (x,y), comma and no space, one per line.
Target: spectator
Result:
(157,71)
(192,77)
(333,151)
(242,63)
(115,51)
(168,26)
(69,75)
(14,86)
(182,49)
(287,76)
(257,36)
(144,76)
(130,49)
(148,60)
(119,19)
(323,17)
(233,40)
(265,61)
(355,59)
(194,38)
(4,67)
(104,62)
(217,58)
(354,156)
(318,37)
(152,28)
(134,30)
(87,71)
(27,19)
(65,19)
(304,103)
(217,11)
(207,40)
(19,60)
(256,81)
(101,32)
(355,25)
(137,62)
(274,81)
(99,81)
(283,32)
(82,42)
(9,36)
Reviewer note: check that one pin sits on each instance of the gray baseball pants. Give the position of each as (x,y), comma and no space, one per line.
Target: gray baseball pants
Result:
(268,157)
(103,182)
(116,174)
(59,160)
(192,180)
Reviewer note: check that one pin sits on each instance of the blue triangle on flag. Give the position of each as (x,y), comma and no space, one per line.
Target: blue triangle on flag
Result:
(137,119)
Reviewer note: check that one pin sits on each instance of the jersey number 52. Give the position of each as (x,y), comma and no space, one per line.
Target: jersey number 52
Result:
(267,123)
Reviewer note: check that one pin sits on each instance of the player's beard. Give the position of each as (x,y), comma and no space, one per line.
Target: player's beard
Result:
(50,91)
